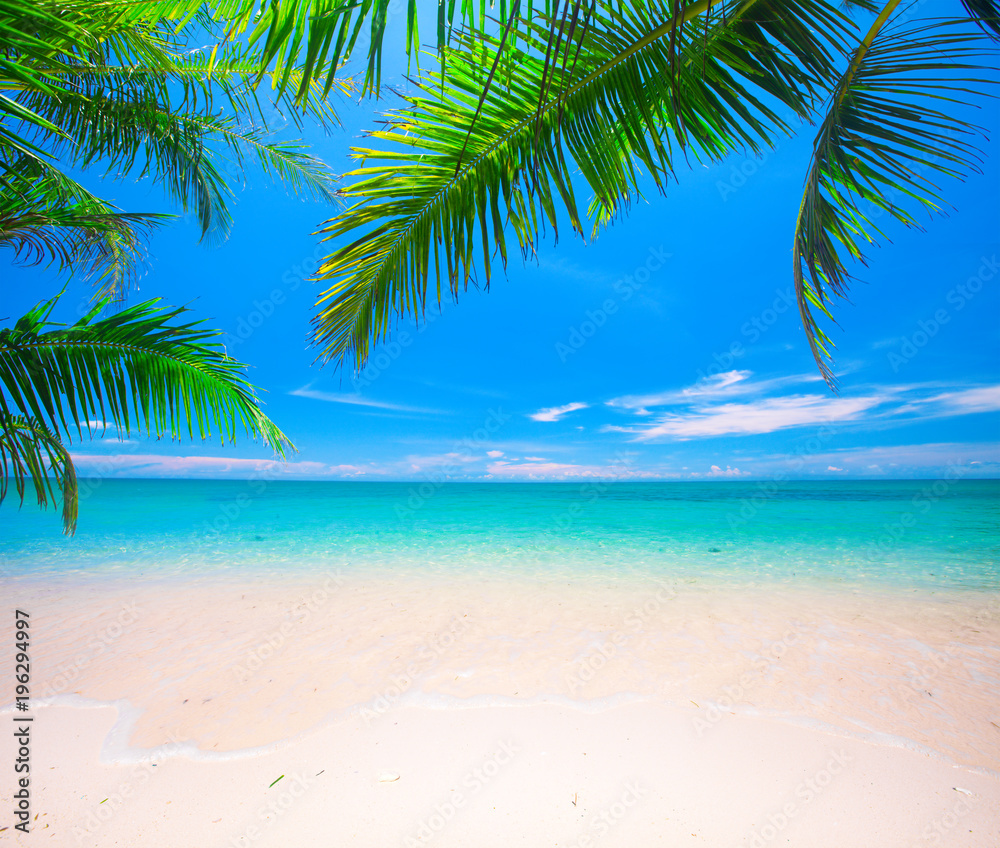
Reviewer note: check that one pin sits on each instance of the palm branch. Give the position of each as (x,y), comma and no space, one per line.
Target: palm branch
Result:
(47,217)
(136,370)
(302,43)
(149,138)
(462,168)
(891,128)
(101,87)
(29,451)
(986,15)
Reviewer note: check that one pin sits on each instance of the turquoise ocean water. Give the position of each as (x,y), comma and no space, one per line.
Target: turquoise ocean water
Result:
(936,535)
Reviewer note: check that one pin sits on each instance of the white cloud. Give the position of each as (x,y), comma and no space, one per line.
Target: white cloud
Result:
(833,468)
(716,471)
(892,341)
(569,269)
(931,458)
(451,460)
(979,399)
(494,454)
(565,471)
(716,384)
(718,406)
(725,384)
(554,413)
(762,416)
(110,441)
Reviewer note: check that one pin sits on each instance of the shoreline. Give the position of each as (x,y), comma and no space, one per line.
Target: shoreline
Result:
(188,655)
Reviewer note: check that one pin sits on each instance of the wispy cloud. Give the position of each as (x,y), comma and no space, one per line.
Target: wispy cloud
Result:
(564,267)
(978,399)
(892,341)
(727,384)
(357,400)
(160,465)
(887,458)
(453,460)
(761,416)
(714,385)
(554,413)
(465,390)
(723,405)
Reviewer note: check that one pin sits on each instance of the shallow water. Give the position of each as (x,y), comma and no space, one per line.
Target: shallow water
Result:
(938,535)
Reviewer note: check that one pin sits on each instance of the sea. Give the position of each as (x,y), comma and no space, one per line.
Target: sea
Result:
(865,608)
(933,535)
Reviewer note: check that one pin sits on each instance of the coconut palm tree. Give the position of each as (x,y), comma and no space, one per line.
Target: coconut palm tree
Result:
(501,138)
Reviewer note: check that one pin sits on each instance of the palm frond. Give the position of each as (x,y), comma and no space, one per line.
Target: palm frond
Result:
(136,369)
(107,248)
(195,82)
(797,75)
(145,137)
(34,36)
(301,44)
(31,451)
(174,148)
(48,218)
(158,121)
(285,161)
(316,36)
(891,129)
(441,190)
(986,15)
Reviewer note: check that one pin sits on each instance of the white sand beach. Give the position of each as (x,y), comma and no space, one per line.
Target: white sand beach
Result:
(502,712)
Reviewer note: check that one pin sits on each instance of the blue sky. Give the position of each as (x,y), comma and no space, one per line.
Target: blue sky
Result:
(669,348)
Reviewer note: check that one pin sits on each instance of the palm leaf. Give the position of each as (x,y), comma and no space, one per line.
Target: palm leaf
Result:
(194,81)
(46,218)
(98,103)
(443,192)
(135,369)
(986,14)
(285,161)
(314,37)
(30,451)
(149,138)
(890,130)
(169,147)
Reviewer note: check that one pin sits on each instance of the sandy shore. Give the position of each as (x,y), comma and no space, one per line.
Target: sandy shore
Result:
(598,713)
